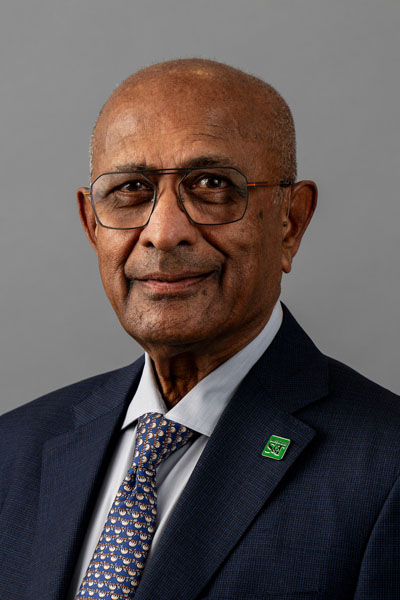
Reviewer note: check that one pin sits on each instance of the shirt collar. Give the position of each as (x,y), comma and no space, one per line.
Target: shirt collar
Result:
(202,407)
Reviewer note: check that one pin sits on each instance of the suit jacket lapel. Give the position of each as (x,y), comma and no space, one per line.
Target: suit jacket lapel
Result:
(232,480)
(73,466)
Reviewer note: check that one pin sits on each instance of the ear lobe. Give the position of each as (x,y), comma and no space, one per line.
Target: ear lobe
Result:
(299,210)
(87,216)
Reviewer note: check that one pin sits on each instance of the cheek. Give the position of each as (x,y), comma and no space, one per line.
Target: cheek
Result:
(243,246)
(114,248)
(257,259)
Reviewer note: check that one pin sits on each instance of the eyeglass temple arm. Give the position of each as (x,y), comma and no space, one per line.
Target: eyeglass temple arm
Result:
(283,183)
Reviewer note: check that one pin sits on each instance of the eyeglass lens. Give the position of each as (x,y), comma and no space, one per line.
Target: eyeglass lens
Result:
(209,196)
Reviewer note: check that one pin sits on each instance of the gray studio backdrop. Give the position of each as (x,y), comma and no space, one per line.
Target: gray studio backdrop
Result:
(336,63)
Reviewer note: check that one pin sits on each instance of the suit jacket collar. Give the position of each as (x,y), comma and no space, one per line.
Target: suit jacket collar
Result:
(114,393)
(293,372)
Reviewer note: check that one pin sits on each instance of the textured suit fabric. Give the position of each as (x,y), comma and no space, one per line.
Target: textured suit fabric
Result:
(322,523)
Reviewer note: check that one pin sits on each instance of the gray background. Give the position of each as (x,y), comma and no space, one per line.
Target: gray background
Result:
(335,62)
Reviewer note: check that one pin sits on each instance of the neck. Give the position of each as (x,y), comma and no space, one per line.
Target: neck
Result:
(178,370)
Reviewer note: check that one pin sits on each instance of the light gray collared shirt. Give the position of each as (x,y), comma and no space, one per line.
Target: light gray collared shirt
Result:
(200,410)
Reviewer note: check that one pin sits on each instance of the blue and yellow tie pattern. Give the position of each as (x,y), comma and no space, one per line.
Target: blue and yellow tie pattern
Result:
(120,556)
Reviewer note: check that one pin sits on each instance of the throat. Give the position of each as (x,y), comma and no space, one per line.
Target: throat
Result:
(175,382)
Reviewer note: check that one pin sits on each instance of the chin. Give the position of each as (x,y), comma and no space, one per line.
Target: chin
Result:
(167,332)
(169,322)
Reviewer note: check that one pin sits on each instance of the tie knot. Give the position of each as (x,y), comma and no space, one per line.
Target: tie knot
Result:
(156,438)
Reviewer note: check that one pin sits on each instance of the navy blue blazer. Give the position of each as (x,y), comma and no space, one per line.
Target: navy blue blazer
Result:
(321,523)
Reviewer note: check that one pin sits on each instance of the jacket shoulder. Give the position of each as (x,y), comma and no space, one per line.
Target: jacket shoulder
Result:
(360,420)
(361,392)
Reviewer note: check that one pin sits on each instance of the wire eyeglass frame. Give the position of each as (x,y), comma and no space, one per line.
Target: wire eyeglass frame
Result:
(186,172)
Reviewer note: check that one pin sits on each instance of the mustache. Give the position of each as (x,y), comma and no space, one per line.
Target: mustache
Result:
(181,260)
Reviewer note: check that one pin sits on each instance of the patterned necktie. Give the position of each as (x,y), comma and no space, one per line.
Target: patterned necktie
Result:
(118,561)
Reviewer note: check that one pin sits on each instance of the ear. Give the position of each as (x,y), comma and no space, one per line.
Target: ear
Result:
(297,210)
(87,216)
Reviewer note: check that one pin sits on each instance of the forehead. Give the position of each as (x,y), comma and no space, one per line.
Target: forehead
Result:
(167,126)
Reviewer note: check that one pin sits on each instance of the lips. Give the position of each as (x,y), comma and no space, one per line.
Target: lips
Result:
(172,283)
(171,277)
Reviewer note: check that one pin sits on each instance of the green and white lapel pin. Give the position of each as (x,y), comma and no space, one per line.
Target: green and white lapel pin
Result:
(276,447)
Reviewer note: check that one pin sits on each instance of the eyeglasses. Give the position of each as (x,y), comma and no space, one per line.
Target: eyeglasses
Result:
(208,195)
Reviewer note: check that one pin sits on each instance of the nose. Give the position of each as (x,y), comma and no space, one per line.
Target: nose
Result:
(169,225)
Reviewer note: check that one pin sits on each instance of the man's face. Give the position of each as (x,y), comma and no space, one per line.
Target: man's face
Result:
(173,283)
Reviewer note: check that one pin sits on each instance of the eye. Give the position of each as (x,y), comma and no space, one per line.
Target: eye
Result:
(135,185)
(211,182)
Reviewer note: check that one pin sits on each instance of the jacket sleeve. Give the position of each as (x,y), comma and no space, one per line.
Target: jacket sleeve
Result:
(379,577)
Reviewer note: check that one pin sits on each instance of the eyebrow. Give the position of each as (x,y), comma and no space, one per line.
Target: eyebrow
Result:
(214,160)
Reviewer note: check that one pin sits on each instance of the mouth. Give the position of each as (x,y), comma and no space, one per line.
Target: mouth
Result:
(172,284)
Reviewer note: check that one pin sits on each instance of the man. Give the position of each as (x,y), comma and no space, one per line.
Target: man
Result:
(280,471)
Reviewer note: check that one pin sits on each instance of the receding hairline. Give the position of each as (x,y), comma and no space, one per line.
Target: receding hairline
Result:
(281,129)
